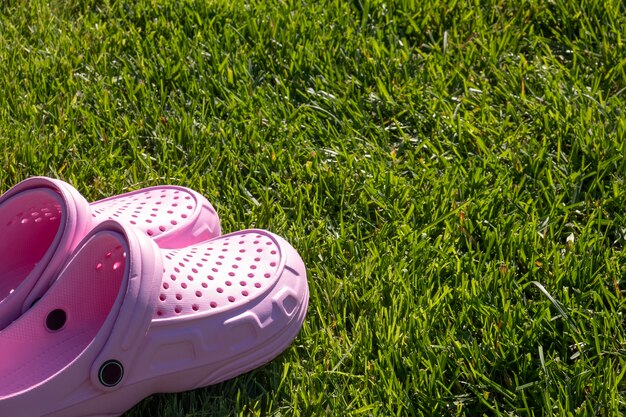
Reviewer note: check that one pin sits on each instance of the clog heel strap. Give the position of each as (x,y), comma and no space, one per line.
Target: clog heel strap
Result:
(105,296)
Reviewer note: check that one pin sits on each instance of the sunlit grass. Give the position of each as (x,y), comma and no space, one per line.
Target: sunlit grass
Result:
(452,174)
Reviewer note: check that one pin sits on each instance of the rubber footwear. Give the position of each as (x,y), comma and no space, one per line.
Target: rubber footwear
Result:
(42,220)
(174,217)
(126,319)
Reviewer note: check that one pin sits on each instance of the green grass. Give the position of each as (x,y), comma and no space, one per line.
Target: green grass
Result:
(451,172)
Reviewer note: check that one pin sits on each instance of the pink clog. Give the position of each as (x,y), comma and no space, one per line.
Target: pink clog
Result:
(42,220)
(126,319)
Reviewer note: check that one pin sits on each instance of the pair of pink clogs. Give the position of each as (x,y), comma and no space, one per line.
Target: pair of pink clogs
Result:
(103,304)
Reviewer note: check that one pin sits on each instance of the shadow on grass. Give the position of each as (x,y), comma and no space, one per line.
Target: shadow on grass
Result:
(249,394)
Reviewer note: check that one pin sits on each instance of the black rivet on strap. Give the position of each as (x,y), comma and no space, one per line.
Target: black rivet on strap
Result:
(111,373)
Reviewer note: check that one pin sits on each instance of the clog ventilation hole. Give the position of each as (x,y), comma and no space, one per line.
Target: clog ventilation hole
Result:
(46,212)
(224,272)
(113,260)
(32,230)
(153,212)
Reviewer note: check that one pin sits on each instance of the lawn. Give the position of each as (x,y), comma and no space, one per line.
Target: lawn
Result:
(452,173)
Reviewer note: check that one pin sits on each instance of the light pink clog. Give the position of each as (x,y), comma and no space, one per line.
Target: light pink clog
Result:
(42,220)
(126,319)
